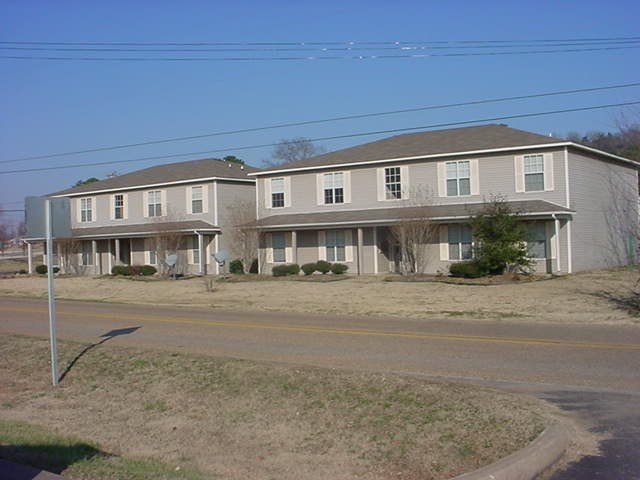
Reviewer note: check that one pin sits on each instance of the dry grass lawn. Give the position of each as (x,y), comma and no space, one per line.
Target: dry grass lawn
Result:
(592,297)
(244,420)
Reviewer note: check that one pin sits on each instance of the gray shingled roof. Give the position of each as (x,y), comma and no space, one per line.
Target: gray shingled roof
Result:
(143,229)
(386,216)
(171,172)
(483,137)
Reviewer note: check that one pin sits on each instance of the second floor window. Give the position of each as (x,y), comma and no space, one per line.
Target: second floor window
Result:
(333,188)
(460,242)
(86,210)
(154,206)
(118,207)
(458,178)
(277,192)
(392,183)
(533,173)
(196,199)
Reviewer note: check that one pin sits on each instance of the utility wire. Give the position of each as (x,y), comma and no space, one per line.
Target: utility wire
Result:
(334,137)
(317,43)
(305,48)
(324,120)
(312,57)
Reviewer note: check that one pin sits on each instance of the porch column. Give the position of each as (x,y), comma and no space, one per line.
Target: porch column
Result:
(61,265)
(94,256)
(216,247)
(556,240)
(200,254)
(375,250)
(294,247)
(29,259)
(117,259)
(131,251)
(109,259)
(360,242)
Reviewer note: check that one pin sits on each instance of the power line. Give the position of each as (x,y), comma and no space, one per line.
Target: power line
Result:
(324,120)
(334,137)
(318,43)
(305,48)
(312,57)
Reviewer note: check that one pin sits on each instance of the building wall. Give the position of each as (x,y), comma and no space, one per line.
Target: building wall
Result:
(604,195)
(496,175)
(236,204)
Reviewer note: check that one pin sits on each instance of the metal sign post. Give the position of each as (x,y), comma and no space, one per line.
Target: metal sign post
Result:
(52,299)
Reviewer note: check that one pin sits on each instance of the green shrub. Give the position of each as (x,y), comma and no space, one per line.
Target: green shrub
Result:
(254,266)
(42,269)
(125,270)
(309,268)
(284,270)
(147,270)
(469,269)
(323,267)
(339,268)
(236,266)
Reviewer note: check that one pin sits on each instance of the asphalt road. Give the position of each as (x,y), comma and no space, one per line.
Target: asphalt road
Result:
(592,371)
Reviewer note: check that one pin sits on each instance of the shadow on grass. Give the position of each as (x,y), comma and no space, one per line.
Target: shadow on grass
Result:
(54,458)
(628,300)
(105,337)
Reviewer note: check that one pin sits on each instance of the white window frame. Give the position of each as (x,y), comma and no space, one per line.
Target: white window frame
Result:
(148,203)
(348,245)
(194,251)
(457,178)
(86,256)
(277,189)
(114,208)
(547,172)
(384,195)
(333,247)
(88,209)
(204,199)
(284,248)
(474,178)
(544,241)
(151,257)
(531,169)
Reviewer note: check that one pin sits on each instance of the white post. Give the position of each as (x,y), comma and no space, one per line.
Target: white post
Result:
(94,255)
(29,259)
(375,250)
(52,300)
(109,259)
(556,234)
(294,247)
(117,259)
(200,253)
(216,247)
(360,243)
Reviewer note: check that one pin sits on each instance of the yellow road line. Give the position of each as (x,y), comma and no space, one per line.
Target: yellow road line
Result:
(338,331)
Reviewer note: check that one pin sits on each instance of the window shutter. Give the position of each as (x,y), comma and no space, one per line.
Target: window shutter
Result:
(347,187)
(442,179)
(112,207)
(380,181)
(164,208)
(320,188)
(125,205)
(474,172)
(404,182)
(548,172)
(287,191)
(267,192)
(205,198)
(348,245)
(444,242)
(269,248)
(188,197)
(551,240)
(145,204)
(322,250)
(519,169)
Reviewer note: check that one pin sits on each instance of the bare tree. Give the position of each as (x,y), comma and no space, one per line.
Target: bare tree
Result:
(68,260)
(293,150)
(414,232)
(244,236)
(167,241)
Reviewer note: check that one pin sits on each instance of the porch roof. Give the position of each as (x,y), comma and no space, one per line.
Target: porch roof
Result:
(387,216)
(144,229)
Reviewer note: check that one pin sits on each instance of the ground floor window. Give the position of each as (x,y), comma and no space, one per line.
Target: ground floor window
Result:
(278,246)
(86,253)
(153,257)
(195,250)
(537,239)
(335,244)
(460,242)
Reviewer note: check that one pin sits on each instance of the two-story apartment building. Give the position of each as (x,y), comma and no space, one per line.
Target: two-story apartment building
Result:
(135,218)
(580,204)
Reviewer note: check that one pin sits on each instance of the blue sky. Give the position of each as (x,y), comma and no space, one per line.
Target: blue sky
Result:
(56,106)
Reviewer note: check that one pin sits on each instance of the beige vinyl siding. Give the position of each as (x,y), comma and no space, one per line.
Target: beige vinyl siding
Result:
(605,197)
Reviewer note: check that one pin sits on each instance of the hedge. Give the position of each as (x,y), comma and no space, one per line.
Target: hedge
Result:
(323,266)
(42,269)
(309,268)
(284,270)
(469,269)
(236,266)
(338,268)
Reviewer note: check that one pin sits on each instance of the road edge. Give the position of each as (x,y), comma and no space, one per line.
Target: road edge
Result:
(527,463)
